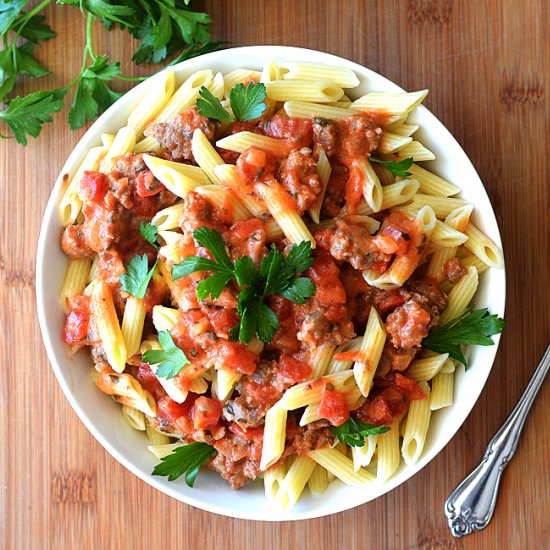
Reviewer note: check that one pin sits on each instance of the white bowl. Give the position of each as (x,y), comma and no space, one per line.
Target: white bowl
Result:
(102,415)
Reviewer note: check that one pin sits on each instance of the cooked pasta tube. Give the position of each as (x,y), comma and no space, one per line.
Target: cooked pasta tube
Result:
(392,142)
(168,218)
(76,279)
(303,90)
(432,184)
(303,109)
(320,358)
(294,482)
(372,189)
(484,248)
(370,352)
(426,368)
(132,324)
(362,456)
(289,220)
(273,478)
(460,296)
(162,450)
(304,393)
(70,204)
(241,141)
(124,142)
(134,418)
(418,421)
(324,170)
(205,155)
(389,456)
(107,324)
(318,481)
(341,76)
(442,390)
(126,390)
(164,318)
(224,199)
(389,103)
(161,88)
(274,436)
(392,195)
(341,466)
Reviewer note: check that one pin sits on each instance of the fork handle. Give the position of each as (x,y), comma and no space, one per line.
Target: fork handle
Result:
(471,505)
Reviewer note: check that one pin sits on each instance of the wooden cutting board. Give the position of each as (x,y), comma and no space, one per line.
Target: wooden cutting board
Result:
(487,66)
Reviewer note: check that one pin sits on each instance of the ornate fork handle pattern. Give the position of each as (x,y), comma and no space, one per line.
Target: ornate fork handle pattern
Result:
(471,505)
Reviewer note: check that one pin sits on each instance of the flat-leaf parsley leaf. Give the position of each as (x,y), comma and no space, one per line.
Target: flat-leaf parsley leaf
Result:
(353,432)
(246,103)
(149,232)
(187,460)
(396,167)
(138,275)
(277,275)
(170,359)
(472,327)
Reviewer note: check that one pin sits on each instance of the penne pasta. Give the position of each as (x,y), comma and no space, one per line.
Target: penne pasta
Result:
(345,78)
(274,436)
(205,155)
(303,90)
(76,279)
(341,466)
(485,249)
(241,141)
(418,421)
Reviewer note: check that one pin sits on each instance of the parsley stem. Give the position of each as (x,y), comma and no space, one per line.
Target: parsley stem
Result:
(89,37)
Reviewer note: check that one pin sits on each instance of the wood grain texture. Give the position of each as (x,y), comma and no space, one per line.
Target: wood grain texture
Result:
(487,66)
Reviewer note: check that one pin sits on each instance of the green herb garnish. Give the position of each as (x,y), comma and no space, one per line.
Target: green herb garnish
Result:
(246,103)
(163,27)
(138,275)
(396,167)
(472,327)
(170,359)
(187,460)
(353,432)
(277,275)
(150,233)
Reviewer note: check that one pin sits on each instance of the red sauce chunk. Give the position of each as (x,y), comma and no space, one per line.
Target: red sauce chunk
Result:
(333,406)
(93,186)
(206,413)
(75,331)
(236,357)
(292,370)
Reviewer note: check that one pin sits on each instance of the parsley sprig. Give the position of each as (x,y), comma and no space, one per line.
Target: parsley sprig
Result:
(472,327)
(163,27)
(136,280)
(150,233)
(353,432)
(170,359)
(396,167)
(187,460)
(277,275)
(246,103)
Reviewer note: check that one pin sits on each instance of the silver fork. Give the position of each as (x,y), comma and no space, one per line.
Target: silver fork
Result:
(471,505)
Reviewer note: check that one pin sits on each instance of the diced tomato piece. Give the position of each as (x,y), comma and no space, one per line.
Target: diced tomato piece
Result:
(236,357)
(144,206)
(222,320)
(149,381)
(333,406)
(75,331)
(253,163)
(147,185)
(325,274)
(388,300)
(169,411)
(261,394)
(252,434)
(292,370)
(408,386)
(206,413)
(382,409)
(92,186)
